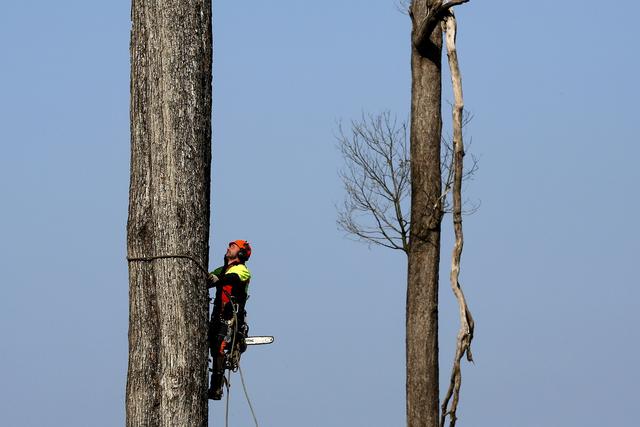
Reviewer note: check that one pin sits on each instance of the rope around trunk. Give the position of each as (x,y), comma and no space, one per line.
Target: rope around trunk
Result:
(183,256)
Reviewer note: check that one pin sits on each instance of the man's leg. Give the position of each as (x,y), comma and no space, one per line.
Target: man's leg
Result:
(216,338)
(217,378)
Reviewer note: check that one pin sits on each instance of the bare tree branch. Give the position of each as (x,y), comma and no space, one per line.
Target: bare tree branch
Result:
(403,6)
(465,334)
(377,181)
(447,168)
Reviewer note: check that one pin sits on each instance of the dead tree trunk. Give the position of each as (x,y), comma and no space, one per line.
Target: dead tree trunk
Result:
(426,212)
(168,225)
(426,215)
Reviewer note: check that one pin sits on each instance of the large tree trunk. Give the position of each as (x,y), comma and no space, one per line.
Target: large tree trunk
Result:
(426,215)
(171,50)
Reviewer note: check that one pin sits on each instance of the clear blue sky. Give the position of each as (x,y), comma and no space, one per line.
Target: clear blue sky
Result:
(548,265)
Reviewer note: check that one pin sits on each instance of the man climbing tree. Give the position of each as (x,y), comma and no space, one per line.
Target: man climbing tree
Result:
(228,329)
(168,224)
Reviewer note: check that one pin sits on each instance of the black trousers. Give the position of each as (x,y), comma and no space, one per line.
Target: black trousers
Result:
(218,329)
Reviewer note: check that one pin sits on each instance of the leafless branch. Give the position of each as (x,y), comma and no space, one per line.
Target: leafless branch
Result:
(448,167)
(376,179)
(465,334)
(403,6)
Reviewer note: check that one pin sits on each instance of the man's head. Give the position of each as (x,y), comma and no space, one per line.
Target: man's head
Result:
(238,249)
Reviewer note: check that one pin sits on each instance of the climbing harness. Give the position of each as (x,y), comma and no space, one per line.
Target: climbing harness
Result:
(232,358)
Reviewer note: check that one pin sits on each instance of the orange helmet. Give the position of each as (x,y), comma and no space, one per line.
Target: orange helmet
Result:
(245,249)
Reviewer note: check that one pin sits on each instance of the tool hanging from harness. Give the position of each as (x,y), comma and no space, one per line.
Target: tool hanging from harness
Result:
(230,340)
(233,337)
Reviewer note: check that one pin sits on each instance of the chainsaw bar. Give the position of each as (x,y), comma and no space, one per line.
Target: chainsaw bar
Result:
(258,340)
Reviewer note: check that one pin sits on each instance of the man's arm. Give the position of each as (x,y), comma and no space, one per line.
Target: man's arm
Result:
(214,277)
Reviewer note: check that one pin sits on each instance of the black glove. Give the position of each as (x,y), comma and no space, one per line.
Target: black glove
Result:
(211,280)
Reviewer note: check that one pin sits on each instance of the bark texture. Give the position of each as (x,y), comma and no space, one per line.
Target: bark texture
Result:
(427,200)
(426,216)
(171,56)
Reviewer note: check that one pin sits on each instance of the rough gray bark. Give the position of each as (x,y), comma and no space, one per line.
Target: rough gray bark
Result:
(426,213)
(171,54)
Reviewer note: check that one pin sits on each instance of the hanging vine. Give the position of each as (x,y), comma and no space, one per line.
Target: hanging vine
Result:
(465,333)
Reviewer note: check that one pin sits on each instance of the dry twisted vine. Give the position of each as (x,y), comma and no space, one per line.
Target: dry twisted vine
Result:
(465,334)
